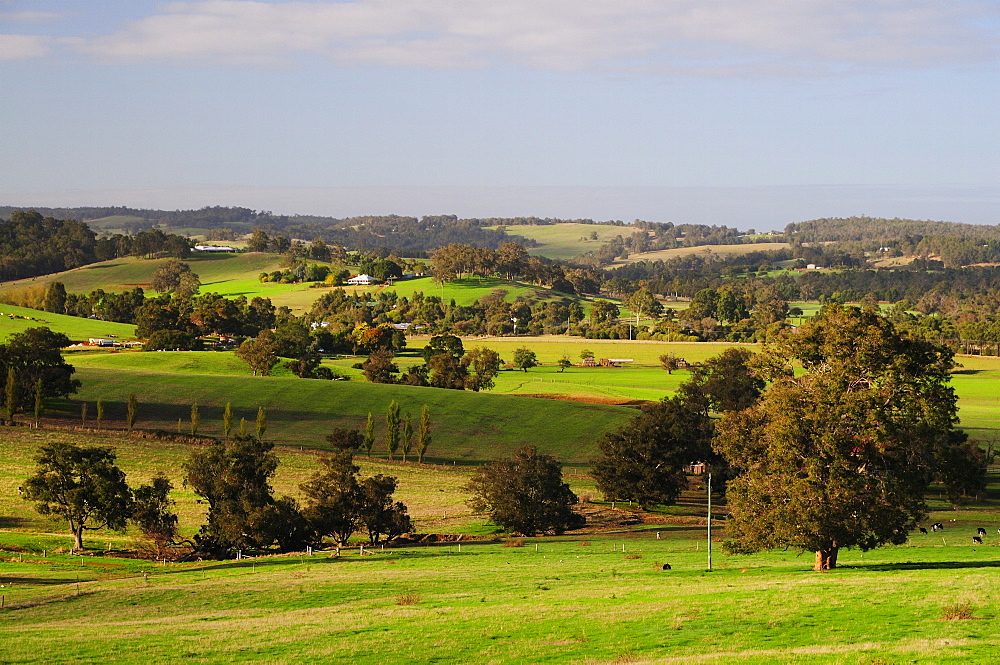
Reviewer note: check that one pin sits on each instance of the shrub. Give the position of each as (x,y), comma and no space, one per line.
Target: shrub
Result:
(408,598)
(958,612)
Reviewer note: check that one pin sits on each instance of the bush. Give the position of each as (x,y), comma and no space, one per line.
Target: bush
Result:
(171,340)
(958,612)
(525,494)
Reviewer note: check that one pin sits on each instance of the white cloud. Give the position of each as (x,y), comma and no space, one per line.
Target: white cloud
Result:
(23,47)
(679,36)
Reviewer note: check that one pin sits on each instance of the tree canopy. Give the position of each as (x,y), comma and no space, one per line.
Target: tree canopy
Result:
(83,485)
(36,355)
(235,480)
(525,493)
(647,459)
(842,455)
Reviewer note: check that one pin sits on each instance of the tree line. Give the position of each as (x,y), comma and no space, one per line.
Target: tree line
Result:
(33,245)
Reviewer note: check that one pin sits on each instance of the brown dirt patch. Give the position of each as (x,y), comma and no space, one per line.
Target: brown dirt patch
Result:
(590,399)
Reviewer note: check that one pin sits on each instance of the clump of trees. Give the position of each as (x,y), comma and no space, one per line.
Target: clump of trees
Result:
(447,365)
(176,277)
(234,478)
(32,364)
(340,504)
(647,459)
(31,245)
(525,493)
(841,456)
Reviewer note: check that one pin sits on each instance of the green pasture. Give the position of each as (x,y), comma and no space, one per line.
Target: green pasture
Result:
(550,348)
(467,427)
(977,384)
(643,380)
(238,275)
(18,319)
(600,598)
(465,291)
(216,272)
(564,241)
(112,223)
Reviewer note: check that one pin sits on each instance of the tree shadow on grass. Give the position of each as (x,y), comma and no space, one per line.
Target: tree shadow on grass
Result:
(23,580)
(11,522)
(924,565)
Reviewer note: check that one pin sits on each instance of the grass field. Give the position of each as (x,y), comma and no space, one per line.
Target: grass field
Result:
(721,250)
(600,596)
(592,597)
(237,275)
(567,602)
(564,241)
(468,427)
(432,493)
(74,327)
(221,273)
(190,375)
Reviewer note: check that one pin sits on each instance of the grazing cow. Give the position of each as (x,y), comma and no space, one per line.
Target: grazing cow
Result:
(937,526)
(976,540)
(923,530)
(982,531)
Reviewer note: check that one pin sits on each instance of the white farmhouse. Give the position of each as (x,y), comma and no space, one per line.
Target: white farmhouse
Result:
(362,280)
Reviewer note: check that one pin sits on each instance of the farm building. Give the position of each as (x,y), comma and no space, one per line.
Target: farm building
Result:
(362,280)
(214,248)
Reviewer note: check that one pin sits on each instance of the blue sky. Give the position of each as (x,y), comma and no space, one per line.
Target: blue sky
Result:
(751,114)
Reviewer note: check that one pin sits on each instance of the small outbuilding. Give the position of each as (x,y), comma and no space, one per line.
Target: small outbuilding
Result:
(214,248)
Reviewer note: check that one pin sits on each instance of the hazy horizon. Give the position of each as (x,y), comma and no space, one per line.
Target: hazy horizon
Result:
(744,114)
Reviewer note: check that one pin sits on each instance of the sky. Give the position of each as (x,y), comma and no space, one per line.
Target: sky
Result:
(748,114)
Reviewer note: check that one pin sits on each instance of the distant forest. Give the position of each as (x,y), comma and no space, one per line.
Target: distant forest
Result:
(836,242)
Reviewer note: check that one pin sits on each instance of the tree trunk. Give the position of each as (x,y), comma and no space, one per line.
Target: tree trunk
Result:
(78,538)
(826,559)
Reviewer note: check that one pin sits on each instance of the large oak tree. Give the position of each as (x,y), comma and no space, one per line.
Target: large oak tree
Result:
(83,485)
(842,455)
